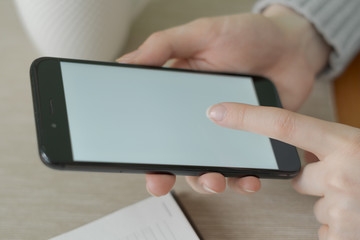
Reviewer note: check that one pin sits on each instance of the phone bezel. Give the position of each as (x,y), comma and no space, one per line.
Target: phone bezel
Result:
(46,82)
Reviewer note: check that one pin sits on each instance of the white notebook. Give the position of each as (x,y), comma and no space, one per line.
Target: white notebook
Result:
(155,218)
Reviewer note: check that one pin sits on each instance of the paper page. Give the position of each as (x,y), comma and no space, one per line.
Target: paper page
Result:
(155,218)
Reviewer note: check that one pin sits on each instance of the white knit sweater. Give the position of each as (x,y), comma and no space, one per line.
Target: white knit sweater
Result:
(337,20)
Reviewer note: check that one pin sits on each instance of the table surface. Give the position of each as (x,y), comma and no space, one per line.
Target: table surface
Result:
(39,203)
(347,89)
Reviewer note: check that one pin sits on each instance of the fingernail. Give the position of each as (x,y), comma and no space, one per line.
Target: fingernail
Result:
(249,190)
(148,190)
(127,58)
(216,112)
(207,189)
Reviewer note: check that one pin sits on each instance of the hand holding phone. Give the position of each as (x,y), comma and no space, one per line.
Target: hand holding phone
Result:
(128,118)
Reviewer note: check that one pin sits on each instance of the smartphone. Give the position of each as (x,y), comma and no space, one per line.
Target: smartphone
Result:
(102,116)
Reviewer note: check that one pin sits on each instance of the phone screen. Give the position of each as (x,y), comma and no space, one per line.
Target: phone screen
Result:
(147,116)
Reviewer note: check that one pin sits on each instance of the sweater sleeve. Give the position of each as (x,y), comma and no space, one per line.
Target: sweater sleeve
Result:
(338,21)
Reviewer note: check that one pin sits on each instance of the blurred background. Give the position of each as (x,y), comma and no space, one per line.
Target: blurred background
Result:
(38,203)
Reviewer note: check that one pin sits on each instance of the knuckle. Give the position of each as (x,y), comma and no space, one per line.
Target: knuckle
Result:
(285,125)
(338,216)
(239,118)
(339,181)
(155,36)
(155,39)
(353,144)
(335,213)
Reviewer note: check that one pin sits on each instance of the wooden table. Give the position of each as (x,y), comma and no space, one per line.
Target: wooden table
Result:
(39,203)
(347,93)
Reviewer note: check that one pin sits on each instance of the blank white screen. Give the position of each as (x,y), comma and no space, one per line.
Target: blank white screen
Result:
(132,115)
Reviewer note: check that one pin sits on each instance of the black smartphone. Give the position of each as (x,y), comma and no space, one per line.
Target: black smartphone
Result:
(102,116)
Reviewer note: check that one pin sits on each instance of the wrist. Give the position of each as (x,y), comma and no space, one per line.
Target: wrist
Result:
(302,38)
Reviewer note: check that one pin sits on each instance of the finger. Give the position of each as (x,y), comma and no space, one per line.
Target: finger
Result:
(207,183)
(339,212)
(191,63)
(326,232)
(323,232)
(311,180)
(181,63)
(245,184)
(320,211)
(314,135)
(159,184)
(178,42)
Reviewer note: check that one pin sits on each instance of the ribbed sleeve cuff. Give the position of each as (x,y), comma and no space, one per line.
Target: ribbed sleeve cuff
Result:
(337,21)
